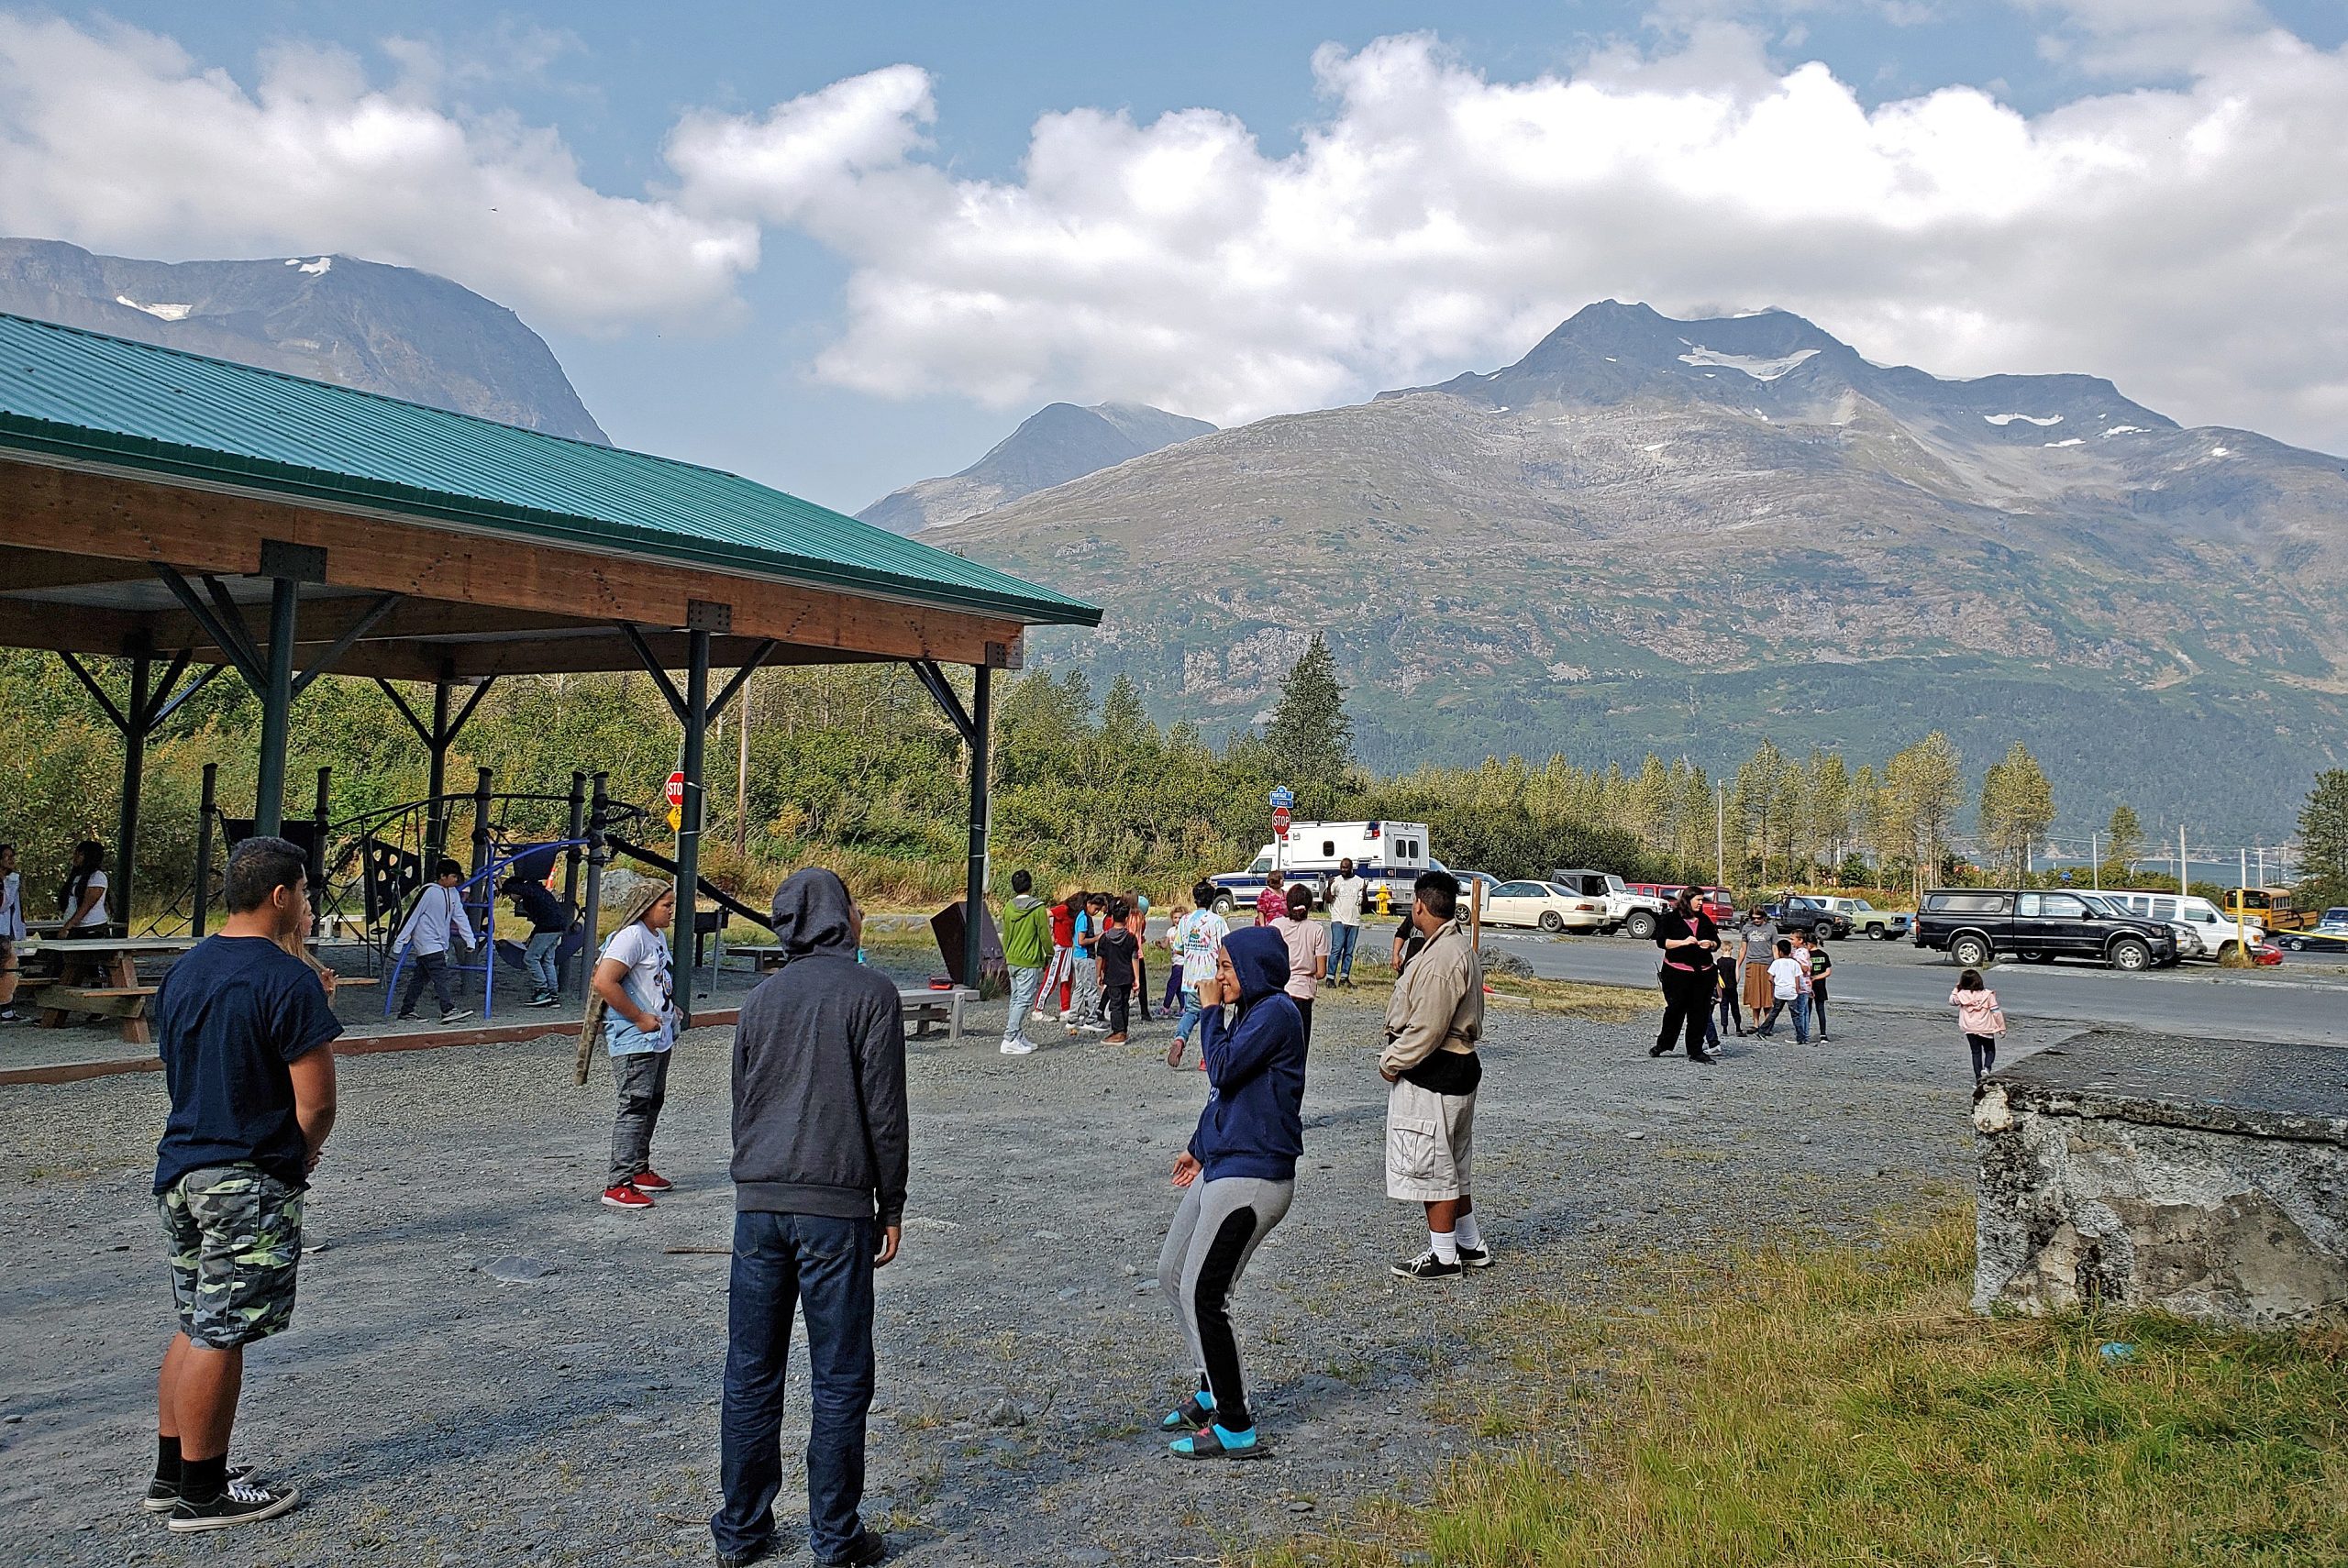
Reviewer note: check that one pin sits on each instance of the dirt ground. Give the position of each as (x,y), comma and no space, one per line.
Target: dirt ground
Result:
(489,1367)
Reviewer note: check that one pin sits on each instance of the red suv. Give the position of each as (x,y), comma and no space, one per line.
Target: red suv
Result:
(1719,902)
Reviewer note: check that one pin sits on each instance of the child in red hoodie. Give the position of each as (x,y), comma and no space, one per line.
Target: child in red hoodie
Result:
(1062,973)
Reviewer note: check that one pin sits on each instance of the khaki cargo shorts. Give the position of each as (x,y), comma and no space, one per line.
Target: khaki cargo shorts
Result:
(1429,1143)
(235,1235)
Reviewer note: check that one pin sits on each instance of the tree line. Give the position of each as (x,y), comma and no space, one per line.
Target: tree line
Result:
(853,765)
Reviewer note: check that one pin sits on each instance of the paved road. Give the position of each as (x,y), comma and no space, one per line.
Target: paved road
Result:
(2303,1004)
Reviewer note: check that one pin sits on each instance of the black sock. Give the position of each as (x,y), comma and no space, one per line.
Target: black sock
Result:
(203,1480)
(167,1459)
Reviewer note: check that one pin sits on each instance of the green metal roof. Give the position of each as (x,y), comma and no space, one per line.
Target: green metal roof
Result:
(66,392)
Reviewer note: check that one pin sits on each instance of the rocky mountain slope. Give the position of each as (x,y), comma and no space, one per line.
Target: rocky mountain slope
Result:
(385,329)
(1682,535)
(1057,443)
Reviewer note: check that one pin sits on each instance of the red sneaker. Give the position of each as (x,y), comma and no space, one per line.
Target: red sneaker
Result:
(625,1197)
(652,1181)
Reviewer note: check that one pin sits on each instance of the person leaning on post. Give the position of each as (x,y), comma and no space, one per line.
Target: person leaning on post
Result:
(245,1034)
(1433,1025)
(821,1143)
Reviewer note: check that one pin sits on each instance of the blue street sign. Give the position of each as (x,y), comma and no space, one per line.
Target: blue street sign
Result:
(1283,797)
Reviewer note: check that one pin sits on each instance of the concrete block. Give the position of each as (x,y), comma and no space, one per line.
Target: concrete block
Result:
(2204,1177)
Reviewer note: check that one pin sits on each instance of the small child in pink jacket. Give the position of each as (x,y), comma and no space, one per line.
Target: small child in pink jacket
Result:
(1981,1019)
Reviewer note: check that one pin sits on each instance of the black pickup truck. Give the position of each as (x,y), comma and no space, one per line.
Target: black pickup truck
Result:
(1974,925)
(1792,911)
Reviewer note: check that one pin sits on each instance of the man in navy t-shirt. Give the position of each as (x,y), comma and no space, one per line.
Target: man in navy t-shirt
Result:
(244,1028)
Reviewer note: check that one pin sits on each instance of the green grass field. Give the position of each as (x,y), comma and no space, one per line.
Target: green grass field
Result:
(1844,1406)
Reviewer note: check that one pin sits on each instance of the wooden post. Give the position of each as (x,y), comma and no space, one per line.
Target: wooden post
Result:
(1476,916)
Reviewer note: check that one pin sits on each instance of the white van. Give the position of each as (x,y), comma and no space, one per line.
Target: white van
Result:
(2212,929)
(1393,853)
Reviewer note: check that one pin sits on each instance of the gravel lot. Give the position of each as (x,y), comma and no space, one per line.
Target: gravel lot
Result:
(489,1367)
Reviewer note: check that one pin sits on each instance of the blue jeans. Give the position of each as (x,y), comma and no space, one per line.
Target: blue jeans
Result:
(824,1266)
(1343,939)
(1187,1029)
(1024,984)
(538,959)
(1801,1018)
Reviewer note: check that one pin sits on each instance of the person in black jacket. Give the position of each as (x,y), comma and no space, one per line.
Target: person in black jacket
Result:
(1237,1177)
(820,1153)
(1688,940)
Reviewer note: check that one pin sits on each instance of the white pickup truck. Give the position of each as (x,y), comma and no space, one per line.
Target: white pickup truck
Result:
(1625,911)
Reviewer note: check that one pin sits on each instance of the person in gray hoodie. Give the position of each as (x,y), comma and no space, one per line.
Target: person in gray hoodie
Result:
(820,1147)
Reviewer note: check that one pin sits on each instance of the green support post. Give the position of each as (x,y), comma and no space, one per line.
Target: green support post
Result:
(696,721)
(276,708)
(974,897)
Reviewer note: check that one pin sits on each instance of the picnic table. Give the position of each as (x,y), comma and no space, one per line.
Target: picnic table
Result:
(117,993)
(925,1006)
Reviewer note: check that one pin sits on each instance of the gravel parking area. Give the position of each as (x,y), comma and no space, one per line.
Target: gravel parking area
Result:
(489,1367)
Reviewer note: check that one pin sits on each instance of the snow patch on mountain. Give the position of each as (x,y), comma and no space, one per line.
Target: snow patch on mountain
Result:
(1759,369)
(2041,420)
(159,311)
(317,269)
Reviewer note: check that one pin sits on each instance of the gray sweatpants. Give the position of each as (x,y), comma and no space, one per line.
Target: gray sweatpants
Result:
(1216,1231)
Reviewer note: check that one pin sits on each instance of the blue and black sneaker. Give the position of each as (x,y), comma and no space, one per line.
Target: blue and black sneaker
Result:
(1216,1441)
(1190,1414)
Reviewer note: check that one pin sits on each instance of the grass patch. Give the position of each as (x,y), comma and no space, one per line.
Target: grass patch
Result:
(1846,1407)
(1578,999)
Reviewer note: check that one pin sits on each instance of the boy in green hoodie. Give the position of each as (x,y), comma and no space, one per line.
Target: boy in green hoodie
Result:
(1026,950)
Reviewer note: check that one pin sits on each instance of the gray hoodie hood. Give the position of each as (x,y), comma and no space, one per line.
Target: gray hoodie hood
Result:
(810,911)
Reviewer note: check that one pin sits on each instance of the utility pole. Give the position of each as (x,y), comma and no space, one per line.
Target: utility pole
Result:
(742,776)
(2242,902)
(2094,859)
(2182,883)
(1720,834)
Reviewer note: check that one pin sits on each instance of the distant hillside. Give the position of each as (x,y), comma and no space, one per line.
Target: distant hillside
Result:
(1684,534)
(1057,442)
(385,329)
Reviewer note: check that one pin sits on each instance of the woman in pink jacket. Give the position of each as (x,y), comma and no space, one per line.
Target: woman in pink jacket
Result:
(1981,1019)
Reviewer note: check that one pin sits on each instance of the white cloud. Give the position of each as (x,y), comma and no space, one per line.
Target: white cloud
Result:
(2187,242)
(116,138)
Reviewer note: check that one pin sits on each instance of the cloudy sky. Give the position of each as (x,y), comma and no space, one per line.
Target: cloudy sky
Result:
(840,247)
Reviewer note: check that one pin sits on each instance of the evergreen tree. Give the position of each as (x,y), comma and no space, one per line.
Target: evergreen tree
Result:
(2124,838)
(2323,840)
(1310,734)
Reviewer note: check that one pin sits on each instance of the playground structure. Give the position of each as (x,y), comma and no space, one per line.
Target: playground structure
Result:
(176,513)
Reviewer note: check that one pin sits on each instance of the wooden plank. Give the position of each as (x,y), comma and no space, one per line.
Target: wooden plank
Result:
(201,531)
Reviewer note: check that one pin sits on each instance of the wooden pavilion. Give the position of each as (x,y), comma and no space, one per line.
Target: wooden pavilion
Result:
(189,514)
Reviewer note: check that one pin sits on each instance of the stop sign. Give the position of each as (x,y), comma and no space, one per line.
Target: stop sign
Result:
(1279,820)
(676,790)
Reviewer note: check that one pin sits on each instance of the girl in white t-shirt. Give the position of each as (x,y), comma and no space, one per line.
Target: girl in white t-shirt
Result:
(82,900)
(632,1010)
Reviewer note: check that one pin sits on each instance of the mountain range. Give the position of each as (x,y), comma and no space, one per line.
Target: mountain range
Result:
(1680,535)
(1056,444)
(333,318)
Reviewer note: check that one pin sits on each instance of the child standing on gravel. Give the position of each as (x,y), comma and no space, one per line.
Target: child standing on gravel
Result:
(1980,1018)
(1119,954)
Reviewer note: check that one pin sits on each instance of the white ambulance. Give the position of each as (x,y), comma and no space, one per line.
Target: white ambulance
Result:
(1391,852)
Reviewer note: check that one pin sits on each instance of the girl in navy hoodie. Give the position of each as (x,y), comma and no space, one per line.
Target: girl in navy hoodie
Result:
(1238,1178)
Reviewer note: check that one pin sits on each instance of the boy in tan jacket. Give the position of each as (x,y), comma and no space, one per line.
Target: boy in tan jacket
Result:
(1431,1028)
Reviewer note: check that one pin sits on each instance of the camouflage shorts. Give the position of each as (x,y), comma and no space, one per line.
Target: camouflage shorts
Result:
(235,1235)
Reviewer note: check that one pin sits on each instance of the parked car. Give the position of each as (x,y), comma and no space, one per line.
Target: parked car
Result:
(2317,941)
(1811,917)
(1469,881)
(1876,925)
(2214,931)
(1718,902)
(2334,922)
(2265,954)
(1625,911)
(1545,904)
(1975,925)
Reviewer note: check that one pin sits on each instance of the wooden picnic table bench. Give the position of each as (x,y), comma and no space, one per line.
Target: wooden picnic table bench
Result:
(118,992)
(925,1007)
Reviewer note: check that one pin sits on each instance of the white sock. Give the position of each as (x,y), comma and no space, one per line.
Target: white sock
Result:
(1445,1245)
(1467,1233)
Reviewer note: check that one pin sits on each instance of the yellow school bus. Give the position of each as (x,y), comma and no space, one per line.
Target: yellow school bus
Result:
(2269,907)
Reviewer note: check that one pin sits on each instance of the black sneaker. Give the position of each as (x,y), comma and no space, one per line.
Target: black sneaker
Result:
(239,1503)
(163,1496)
(456,1015)
(748,1556)
(1475,1257)
(867,1548)
(1426,1265)
(407,1017)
